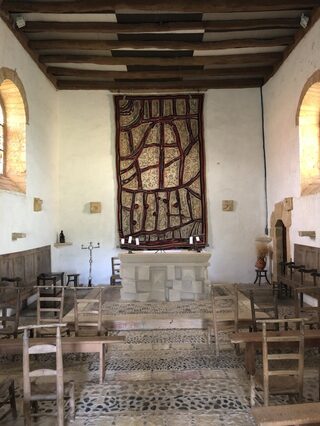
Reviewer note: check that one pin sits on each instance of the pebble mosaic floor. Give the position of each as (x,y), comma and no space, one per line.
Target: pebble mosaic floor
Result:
(159,378)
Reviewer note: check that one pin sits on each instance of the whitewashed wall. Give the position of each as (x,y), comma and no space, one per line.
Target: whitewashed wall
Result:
(232,123)
(83,123)
(281,98)
(234,157)
(87,173)
(16,210)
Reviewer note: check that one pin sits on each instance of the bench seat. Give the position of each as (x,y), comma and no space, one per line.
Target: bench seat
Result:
(285,415)
(96,344)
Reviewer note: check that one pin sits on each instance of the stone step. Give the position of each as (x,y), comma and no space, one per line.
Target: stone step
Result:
(170,322)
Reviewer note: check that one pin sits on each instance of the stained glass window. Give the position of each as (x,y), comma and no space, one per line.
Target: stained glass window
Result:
(1,139)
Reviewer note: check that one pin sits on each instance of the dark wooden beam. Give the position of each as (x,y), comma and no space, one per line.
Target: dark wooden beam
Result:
(161,85)
(315,17)
(22,38)
(189,6)
(173,45)
(112,27)
(144,75)
(257,58)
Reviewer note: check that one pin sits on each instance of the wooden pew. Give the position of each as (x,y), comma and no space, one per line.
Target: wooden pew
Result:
(95,344)
(285,415)
(253,341)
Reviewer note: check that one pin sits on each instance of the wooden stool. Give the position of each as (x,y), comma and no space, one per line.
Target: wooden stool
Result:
(73,278)
(261,274)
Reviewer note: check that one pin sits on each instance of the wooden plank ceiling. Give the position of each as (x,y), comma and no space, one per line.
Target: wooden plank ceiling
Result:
(151,45)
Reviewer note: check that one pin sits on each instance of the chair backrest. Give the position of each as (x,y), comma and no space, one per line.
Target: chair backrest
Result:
(295,272)
(88,311)
(49,308)
(115,265)
(263,300)
(293,342)
(10,301)
(311,314)
(29,375)
(225,308)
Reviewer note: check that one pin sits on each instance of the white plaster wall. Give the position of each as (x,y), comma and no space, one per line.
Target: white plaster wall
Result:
(87,173)
(281,98)
(16,210)
(234,160)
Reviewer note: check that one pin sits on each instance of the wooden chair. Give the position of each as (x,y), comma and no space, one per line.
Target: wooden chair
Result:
(36,386)
(311,314)
(115,266)
(50,311)
(287,379)
(225,313)
(7,396)
(88,313)
(9,311)
(263,300)
(48,281)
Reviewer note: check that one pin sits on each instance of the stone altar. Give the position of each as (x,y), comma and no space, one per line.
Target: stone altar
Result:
(164,276)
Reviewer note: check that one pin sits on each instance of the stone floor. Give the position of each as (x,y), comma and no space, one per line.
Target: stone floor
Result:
(158,377)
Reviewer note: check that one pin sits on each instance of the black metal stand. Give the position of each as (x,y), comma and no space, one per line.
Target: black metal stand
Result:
(90,247)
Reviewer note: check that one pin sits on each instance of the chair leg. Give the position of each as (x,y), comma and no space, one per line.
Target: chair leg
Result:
(72,401)
(252,391)
(209,336)
(12,398)
(27,412)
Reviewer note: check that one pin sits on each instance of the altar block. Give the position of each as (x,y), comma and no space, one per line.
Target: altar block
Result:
(150,276)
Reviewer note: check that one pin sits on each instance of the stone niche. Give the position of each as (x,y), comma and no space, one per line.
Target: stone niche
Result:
(164,276)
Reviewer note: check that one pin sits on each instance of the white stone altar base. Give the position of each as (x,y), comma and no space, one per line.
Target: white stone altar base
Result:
(164,276)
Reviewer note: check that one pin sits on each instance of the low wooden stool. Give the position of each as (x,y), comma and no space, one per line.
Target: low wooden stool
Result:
(73,278)
(261,274)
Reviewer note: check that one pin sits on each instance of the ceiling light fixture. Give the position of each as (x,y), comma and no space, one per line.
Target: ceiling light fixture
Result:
(20,22)
(304,20)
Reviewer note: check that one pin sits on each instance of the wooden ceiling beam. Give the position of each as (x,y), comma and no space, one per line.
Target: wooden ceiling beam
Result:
(22,38)
(257,58)
(299,35)
(143,75)
(112,27)
(161,85)
(181,6)
(173,45)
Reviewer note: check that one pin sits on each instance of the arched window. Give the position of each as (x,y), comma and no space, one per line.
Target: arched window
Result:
(2,138)
(308,118)
(13,119)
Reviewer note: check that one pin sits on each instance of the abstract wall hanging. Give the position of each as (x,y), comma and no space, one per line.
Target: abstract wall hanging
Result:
(160,170)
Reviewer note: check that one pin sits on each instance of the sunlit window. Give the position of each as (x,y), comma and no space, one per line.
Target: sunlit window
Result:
(13,119)
(309,136)
(2,153)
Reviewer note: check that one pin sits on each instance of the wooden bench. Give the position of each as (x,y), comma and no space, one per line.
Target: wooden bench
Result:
(285,415)
(26,265)
(94,344)
(253,341)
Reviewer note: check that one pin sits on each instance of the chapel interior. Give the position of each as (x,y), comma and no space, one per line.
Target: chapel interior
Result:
(160,212)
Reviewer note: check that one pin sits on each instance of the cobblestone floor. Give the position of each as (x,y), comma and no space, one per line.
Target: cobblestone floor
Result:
(159,377)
